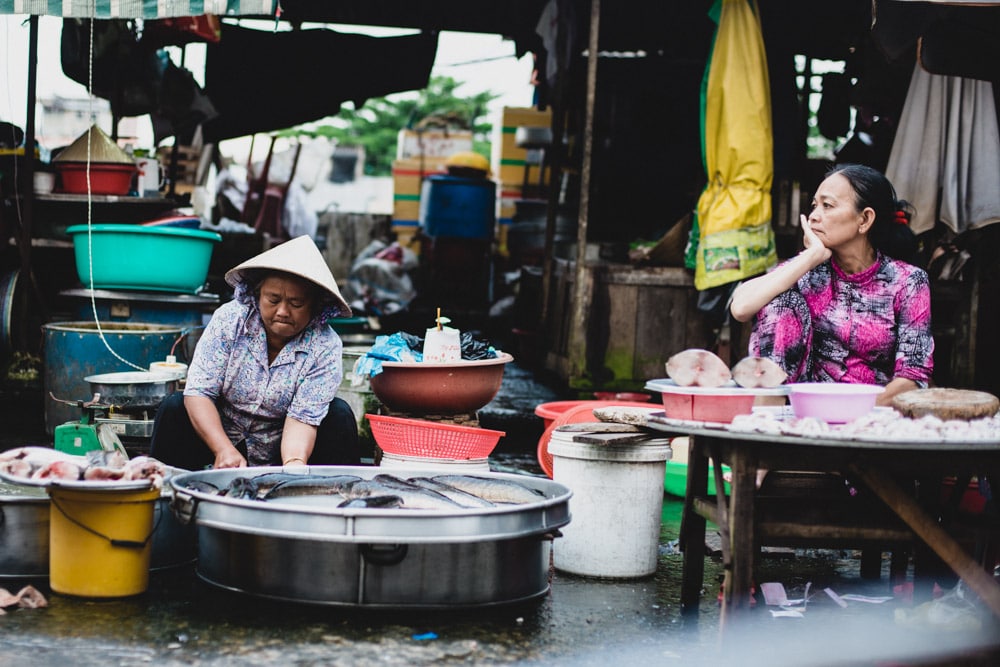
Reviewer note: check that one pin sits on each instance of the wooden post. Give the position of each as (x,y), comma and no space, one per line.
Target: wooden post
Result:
(692,537)
(577,344)
(742,538)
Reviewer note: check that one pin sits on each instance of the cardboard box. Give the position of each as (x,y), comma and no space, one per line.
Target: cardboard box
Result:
(509,159)
(407,179)
(432,143)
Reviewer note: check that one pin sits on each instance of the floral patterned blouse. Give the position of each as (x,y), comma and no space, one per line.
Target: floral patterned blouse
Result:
(230,366)
(868,327)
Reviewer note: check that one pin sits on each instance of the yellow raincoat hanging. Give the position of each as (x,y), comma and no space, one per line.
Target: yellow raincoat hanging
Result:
(735,237)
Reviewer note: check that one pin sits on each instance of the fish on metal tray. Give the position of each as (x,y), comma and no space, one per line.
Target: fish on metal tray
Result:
(41,463)
(492,489)
(269,480)
(412,498)
(311,485)
(202,486)
(461,497)
(241,487)
(373,502)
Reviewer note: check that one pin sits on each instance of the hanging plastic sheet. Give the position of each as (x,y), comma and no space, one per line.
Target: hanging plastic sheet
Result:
(735,239)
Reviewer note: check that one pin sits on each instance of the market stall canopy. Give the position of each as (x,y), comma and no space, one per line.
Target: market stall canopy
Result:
(259,80)
(138,9)
(951,37)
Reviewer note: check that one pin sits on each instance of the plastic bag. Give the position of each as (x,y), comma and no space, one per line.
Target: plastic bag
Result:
(952,611)
(395,347)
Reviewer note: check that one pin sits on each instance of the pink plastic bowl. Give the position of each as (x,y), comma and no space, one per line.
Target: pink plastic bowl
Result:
(833,402)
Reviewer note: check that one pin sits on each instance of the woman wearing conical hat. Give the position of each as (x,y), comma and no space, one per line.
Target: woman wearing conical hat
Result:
(261,386)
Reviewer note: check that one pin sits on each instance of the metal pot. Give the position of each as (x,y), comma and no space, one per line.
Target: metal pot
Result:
(24,531)
(379,558)
(133,390)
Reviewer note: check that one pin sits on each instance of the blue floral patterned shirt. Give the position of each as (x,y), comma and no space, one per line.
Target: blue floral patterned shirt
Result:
(230,366)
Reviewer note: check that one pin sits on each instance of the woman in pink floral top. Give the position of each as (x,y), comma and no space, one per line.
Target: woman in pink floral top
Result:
(261,388)
(844,309)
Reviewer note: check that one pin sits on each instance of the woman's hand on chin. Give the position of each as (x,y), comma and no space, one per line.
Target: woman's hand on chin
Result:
(813,245)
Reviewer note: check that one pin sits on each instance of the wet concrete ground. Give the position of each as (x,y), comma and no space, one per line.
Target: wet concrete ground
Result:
(181,620)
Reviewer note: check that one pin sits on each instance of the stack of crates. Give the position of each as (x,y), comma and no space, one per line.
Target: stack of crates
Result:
(510,161)
(419,155)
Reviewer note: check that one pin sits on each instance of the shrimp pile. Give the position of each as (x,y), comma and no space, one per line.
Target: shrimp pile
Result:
(876,425)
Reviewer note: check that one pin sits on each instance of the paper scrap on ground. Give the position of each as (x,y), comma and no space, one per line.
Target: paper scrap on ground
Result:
(870,599)
(836,598)
(774,594)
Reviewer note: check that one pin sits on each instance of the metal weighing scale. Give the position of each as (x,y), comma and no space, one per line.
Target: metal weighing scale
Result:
(90,433)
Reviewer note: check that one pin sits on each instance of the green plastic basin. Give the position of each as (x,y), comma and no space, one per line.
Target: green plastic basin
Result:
(675,479)
(134,257)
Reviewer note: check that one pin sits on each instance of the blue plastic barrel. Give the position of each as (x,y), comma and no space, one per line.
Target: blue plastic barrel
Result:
(188,311)
(458,207)
(74,350)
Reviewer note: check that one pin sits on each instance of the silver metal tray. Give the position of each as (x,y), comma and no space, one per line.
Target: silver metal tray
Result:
(307,520)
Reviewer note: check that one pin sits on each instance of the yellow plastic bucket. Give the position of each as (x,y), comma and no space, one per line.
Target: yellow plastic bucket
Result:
(99,541)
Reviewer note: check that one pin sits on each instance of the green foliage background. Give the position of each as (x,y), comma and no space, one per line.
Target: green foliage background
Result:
(376,125)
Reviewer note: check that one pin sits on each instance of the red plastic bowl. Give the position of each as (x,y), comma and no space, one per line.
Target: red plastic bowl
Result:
(105,178)
(439,389)
(557,413)
(706,407)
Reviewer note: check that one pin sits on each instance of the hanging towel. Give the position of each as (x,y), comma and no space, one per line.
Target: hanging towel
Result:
(945,159)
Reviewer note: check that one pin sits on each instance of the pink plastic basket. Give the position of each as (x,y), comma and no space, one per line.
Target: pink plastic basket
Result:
(419,437)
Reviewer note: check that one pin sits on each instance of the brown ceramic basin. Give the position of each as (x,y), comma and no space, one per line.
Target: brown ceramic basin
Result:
(452,388)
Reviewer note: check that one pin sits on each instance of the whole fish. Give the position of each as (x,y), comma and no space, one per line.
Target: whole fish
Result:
(461,497)
(492,489)
(203,486)
(269,480)
(373,502)
(241,487)
(311,485)
(415,498)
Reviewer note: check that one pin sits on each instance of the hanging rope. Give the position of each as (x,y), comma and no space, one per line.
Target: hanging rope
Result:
(90,205)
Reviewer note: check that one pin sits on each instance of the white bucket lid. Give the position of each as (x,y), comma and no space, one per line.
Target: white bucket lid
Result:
(429,463)
(648,450)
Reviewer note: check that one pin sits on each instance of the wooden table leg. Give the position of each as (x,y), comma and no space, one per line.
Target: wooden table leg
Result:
(966,567)
(692,537)
(742,540)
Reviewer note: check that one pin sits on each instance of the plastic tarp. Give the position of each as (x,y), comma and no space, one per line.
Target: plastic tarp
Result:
(735,237)
(945,160)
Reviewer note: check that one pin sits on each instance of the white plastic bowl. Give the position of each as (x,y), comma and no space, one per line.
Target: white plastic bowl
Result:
(833,402)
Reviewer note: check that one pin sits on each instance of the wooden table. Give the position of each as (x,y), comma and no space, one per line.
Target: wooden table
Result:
(875,464)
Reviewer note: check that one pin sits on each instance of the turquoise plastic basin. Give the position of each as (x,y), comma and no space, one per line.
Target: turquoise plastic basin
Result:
(135,257)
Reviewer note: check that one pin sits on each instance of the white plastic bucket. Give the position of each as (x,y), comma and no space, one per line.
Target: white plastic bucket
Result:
(616,505)
(456,466)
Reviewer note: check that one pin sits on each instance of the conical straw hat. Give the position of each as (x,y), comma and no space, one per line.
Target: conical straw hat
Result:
(300,257)
(102,149)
